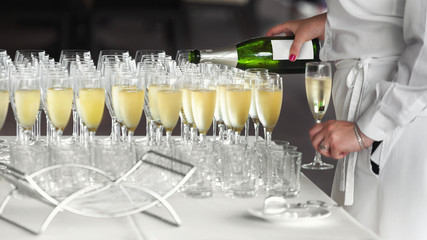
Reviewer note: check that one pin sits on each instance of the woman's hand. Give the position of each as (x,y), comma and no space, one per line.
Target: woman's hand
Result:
(338,137)
(303,30)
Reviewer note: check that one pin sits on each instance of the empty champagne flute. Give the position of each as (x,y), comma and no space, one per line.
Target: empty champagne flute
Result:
(268,98)
(152,54)
(318,85)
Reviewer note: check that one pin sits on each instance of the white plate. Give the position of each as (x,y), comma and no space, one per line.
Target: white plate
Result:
(291,214)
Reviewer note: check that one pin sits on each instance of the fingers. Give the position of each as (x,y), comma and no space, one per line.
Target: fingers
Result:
(296,46)
(278,29)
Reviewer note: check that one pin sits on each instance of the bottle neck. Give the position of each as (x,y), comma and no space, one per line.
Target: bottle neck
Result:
(226,56)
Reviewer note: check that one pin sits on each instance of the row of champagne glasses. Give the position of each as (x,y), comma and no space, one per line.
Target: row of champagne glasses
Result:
(202,91)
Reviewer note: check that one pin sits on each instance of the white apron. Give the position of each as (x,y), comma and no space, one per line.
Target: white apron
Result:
(381,83)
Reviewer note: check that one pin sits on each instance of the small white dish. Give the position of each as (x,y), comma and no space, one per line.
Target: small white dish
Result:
(291,214)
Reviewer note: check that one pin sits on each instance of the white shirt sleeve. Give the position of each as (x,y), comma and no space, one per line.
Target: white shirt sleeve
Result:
(400,101)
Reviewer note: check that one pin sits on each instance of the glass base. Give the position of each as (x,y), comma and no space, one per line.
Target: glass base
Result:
(317,166)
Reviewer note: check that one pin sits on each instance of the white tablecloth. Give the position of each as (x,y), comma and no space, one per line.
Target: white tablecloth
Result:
(216,218)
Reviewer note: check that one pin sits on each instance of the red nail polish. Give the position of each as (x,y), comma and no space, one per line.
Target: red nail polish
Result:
(292,58)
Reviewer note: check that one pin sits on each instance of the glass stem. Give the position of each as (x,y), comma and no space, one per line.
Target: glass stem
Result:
(256,127)
(159,134)
(236,137)
(124,133)
(130,136)
(267,136)
(221,132)
(58,136)
(246,130)
(38,125)
(147,130)
(27,136)
(48,131)
(91,136)
(168,139)
(76,124)
(202,138)
(116,136)
(214,127)
(317,156)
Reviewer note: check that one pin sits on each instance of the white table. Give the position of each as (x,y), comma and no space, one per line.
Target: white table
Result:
(216,218)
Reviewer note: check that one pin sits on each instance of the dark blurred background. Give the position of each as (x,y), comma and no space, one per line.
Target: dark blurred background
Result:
(170,25)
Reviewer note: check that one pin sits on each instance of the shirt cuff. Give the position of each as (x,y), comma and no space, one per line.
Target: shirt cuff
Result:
(375,124)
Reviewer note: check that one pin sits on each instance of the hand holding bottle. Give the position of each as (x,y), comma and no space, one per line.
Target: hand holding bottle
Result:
(303,30)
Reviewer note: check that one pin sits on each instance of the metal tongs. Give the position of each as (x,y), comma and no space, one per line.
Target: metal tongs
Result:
(274,205)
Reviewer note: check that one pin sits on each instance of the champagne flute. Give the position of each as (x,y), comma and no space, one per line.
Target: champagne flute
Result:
(189,79)
(203,102)
(57,99)
(254,76)
(131,94)
(25,99)
(224,80)
(90,100)
(169,104)
(318,85)
(68,58)
(268,98)
(143,54)
(4,100)
(238,96)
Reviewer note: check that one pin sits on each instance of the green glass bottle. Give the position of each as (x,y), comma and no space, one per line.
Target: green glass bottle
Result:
(262,52)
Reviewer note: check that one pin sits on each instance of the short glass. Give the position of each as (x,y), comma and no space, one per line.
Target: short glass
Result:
(240,172)
(283,173)
(201,183)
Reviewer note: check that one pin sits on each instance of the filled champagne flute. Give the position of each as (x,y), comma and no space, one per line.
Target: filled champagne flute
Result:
(89,94)
(268,98)
(203,102)
(225,79)
(254,76)
(169,104)
(239,95)
(189,81)
(25,98)
(318,86)
(155,82)
(57,98)
(4,99)
(130,94)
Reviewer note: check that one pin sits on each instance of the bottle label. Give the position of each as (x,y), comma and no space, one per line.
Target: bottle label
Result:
(281,50)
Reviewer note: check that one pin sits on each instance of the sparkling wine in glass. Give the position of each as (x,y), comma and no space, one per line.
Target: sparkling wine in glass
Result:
(90,101)
(57,99)
(268,98)
(169,103)
(131,95)
(254,76)
(239,95)
(318,85)
(25,99)
(203,102)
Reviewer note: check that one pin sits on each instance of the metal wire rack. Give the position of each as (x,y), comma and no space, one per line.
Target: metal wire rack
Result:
(149,182)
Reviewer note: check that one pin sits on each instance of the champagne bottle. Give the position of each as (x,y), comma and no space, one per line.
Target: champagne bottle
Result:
(262,52)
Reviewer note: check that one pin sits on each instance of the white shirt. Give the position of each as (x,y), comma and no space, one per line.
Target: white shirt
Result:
(381,83)
(383,28)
